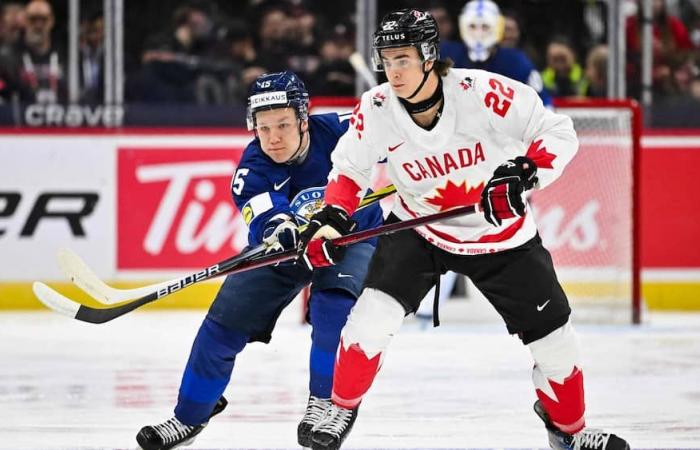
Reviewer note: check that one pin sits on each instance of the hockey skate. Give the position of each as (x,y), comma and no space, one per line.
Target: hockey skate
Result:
(332,430)
(586,439)
(173,433)
(315,410)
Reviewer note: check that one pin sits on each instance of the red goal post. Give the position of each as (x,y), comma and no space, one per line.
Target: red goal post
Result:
(589,217)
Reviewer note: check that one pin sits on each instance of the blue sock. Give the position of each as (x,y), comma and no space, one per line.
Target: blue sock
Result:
(329,311)
(208,371)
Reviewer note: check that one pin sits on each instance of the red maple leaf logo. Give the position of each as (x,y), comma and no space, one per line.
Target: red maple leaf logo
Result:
(455,195)
(540,155)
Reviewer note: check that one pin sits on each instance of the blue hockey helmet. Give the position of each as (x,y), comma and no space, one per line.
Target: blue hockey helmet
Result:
(277,90)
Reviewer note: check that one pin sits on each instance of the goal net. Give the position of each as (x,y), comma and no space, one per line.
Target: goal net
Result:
(588,217)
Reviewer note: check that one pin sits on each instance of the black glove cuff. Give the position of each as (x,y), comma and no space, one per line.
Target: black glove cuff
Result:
(338,219)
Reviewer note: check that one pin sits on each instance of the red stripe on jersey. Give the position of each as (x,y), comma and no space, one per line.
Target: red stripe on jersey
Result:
(504,235)
(566,410)
(342,192)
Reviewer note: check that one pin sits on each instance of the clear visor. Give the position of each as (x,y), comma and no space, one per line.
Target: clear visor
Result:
(265,100)
(428,52)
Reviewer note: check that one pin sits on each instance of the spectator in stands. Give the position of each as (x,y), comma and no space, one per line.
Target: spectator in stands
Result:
(450,44)
(446,27)
(34,66)
(597,72)
(695,88)
(91,59)
(273,43)
(335,75)
(12,24)
(178,67)
(671,44)
(302,54)
(563,76)
(246,65)
(511,30)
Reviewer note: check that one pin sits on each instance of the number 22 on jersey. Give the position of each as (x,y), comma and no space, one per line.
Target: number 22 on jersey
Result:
(494,99)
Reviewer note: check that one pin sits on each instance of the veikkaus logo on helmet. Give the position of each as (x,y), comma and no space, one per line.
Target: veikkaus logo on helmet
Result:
(268,98)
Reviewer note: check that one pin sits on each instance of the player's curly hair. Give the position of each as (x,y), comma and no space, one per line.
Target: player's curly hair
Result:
(441,66)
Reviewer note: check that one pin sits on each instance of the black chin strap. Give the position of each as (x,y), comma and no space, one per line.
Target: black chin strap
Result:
(415,108)
(298,157)
(420,86)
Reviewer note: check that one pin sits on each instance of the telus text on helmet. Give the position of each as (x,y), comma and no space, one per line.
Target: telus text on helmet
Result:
(394,37)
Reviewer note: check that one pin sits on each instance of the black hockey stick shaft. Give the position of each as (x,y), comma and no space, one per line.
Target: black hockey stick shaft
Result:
(235,265)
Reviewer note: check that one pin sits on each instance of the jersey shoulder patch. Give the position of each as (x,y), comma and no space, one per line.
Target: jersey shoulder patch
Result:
(378,96)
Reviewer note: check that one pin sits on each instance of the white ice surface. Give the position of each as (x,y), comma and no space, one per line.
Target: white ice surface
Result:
(66,384)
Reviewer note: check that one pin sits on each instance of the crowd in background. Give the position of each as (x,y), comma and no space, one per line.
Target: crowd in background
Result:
(208,52)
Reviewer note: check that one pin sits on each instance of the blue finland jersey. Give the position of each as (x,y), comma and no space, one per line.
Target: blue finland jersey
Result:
(509,62)
(262,188)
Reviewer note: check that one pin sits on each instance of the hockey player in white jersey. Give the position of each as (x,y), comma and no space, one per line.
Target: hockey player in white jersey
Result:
(454,137)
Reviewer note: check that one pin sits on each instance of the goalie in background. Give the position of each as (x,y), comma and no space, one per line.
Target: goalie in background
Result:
(481,26)
(278,185)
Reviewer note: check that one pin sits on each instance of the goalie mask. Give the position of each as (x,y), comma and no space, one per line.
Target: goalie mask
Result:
(406,28)
(481,28)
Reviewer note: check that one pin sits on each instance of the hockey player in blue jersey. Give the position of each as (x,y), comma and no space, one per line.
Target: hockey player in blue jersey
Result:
(481,29)
(278,185)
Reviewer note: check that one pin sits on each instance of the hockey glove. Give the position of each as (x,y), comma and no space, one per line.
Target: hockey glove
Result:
(502,198)
(314,248)
(281,233)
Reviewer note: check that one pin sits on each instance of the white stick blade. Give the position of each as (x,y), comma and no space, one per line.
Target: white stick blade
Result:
(53,300)
(82,276)
(86,279)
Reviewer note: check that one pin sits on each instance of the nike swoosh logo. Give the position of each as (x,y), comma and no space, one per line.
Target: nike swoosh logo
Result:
(343,275)
(279,186)
(541,307)
(391,149)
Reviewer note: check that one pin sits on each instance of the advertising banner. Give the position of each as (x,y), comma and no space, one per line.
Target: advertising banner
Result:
(55,193)
(175,209)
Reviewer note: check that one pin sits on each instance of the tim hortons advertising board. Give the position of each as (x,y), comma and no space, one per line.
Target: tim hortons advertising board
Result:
(174,207)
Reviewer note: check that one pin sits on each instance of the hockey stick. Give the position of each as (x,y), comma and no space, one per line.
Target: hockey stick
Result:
(358,63)
(86,279)
(73,309)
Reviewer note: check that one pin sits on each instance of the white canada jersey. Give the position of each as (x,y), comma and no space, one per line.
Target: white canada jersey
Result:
(486,120)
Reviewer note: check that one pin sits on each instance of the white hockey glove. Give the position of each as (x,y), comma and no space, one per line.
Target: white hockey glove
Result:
(281,233)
